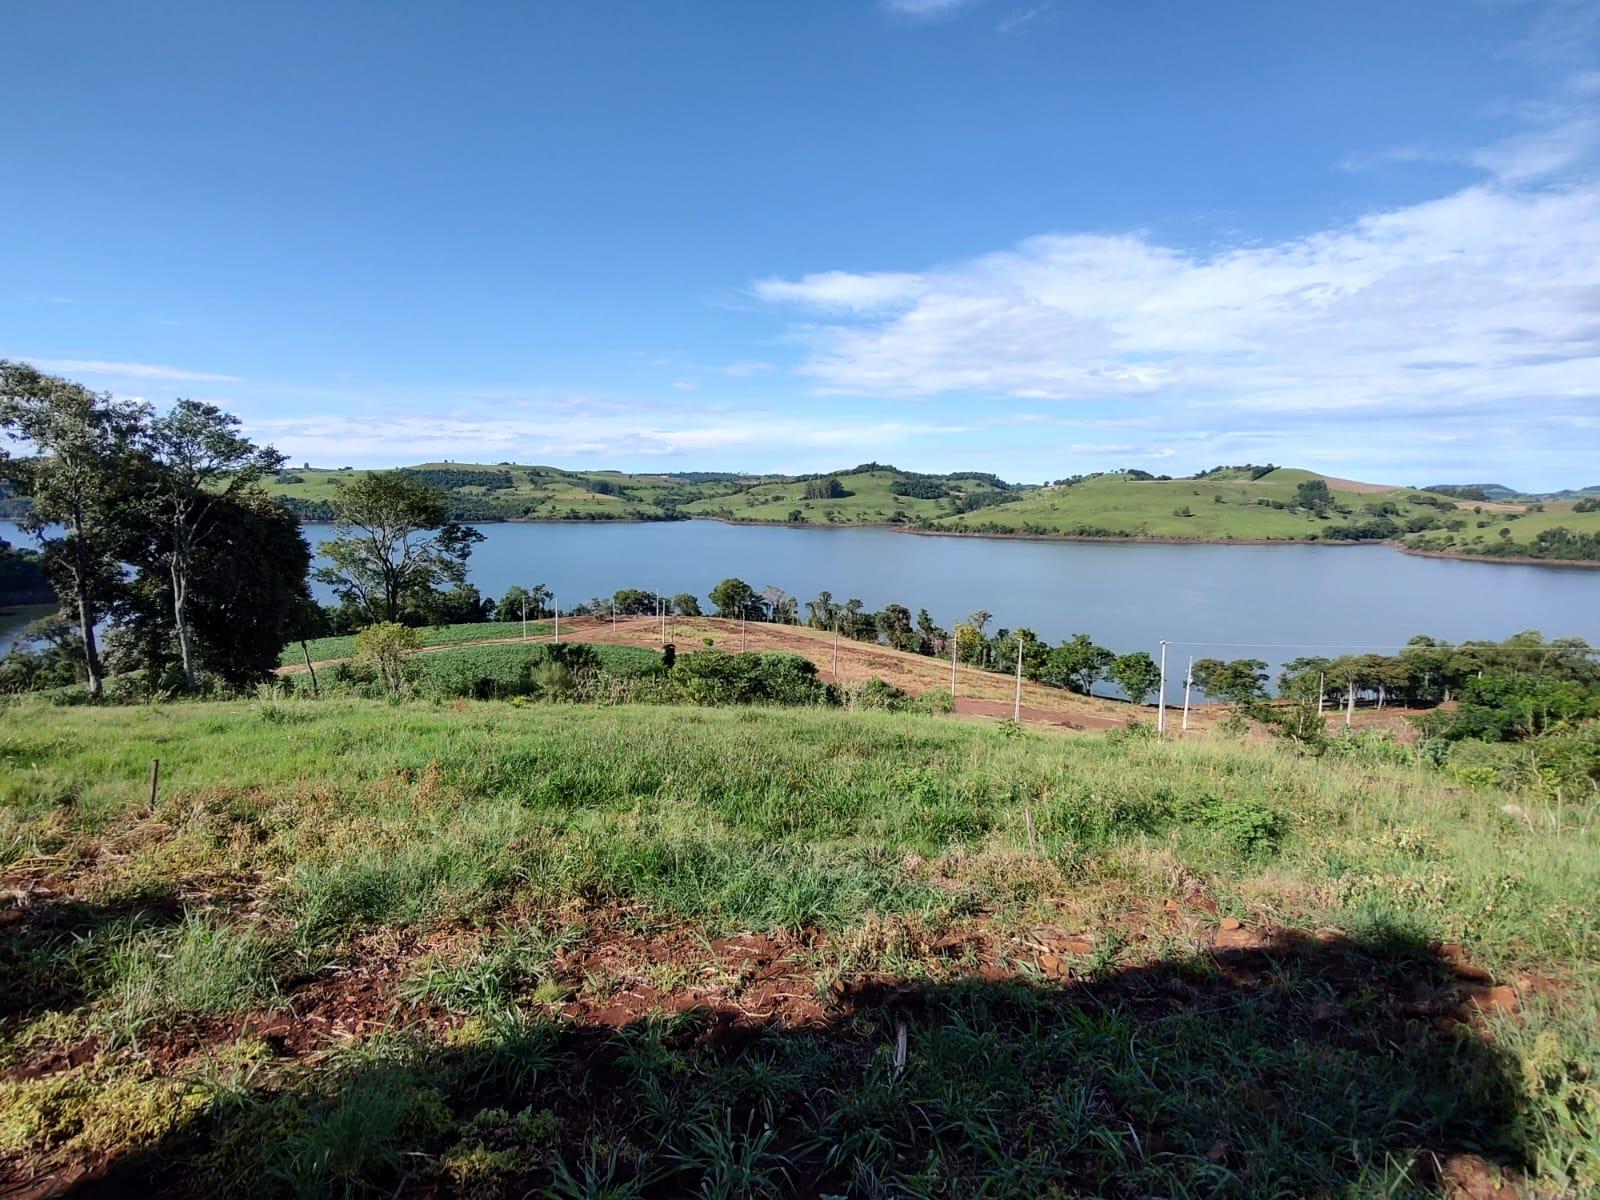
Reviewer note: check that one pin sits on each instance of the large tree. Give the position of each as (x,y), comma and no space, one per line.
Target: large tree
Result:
(393,545)
(1077,664)
(197,461)
(736,598)
(77,442)
(247,595)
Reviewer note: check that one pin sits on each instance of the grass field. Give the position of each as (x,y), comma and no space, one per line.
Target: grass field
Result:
(1211,509)
(328,649)
(1484,529)
(485,949)
(873,500)
(534,493)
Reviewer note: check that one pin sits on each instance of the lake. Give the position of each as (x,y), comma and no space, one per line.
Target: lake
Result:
(1269,602)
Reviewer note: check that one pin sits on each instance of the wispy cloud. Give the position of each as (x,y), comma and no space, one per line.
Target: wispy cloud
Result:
(926,9)
(100,368)
(1020,18)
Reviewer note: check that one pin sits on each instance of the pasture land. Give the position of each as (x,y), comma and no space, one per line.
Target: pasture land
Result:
(481,948)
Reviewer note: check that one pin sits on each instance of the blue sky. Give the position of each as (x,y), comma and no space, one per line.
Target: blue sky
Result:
(1030,236)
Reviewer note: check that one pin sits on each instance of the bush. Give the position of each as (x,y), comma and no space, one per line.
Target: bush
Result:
(714,677)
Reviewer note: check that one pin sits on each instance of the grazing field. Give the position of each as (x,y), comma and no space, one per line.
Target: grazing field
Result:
(1231,507)
(1495,531)
(873,498)
(493,949)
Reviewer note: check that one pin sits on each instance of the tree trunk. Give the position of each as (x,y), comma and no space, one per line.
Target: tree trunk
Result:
(180,621)
(306,651)
(91,652)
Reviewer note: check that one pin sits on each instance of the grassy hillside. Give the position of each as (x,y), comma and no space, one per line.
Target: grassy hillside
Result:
(874,497)
(1516,534)
(510,492)
(370,948)
(1211,509)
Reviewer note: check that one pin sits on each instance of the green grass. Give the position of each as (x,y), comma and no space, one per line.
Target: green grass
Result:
(494,863)
(1483,532)
(537,493)
(873,500)
(1219,509)
(329,649)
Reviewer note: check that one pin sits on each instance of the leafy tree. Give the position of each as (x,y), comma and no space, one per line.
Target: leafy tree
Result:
(735,598)
(535,601)
(822,612)
(198,460)
(980,618)
(971,646)
(247,595)
(1077,664)
(1239,681)
(385,645)
(1136,674)
(1313,494)
(393,544)
(686,604)
(825,489)
(634,602)
(77,441)
(930,638)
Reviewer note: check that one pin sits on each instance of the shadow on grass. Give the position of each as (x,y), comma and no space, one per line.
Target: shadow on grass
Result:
(1307,1068)
(46,949)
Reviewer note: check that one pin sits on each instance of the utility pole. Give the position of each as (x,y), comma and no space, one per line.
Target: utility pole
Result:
(1321,691)
(1016,703)
(743,642)
(524,618)
(1161,700)
(836,651)
(557,604)
(1349,702)
(1188,683)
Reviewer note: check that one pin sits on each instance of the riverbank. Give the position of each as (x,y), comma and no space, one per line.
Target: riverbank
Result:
(1516,560)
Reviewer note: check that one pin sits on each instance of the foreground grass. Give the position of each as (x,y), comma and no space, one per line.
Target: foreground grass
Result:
(517,891)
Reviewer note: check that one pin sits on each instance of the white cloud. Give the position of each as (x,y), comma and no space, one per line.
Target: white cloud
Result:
(128,370)
(843,291)
(1490,295)
(746,367)
(925,9)
(601,433)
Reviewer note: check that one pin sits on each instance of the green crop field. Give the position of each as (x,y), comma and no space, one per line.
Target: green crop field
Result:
(506,949)
(327,649)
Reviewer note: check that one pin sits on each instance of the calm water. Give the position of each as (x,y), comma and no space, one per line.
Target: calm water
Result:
(1286,600)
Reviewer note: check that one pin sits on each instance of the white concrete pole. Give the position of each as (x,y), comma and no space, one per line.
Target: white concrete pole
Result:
(1188,684)
(524,619)
(1322,681)
(1161,700)
(1349,702)
(557,604)
(836,652)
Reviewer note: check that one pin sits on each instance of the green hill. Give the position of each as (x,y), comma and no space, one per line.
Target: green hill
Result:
(1228,505)
(872,494)
(509,492)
